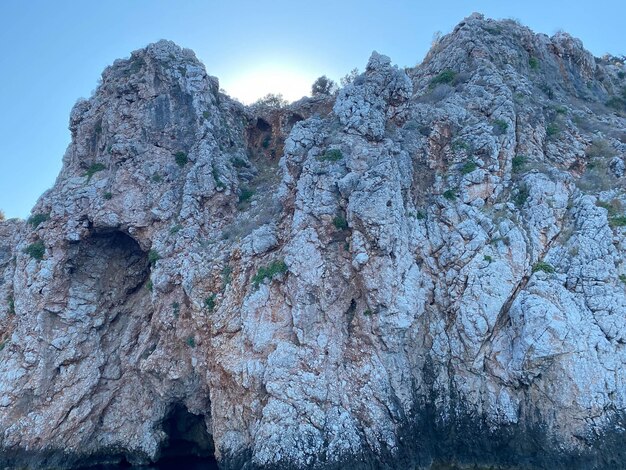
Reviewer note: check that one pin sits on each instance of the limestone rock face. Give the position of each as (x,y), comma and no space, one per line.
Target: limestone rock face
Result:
(426,268)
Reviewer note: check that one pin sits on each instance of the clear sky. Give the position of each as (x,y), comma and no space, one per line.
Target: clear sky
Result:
(53,51)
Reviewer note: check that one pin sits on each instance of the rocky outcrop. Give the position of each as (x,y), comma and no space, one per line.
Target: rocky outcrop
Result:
(426,268)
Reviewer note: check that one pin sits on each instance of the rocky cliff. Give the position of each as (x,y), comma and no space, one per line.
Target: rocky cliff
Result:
(426,268)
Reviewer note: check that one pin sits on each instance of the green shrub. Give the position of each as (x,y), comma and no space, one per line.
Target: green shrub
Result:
(340,222)
(553,129)
(622,277)
(156,178)
(450,194)
(367,312)
(216,177)
(460,145)
(445,77)
(500,126)
(542,266)
(268,272)
(468,167)
(612,207)
(209,302)
(517,164)
(331,155)
(533,63)
(175,229)
(108,196)
(3,344)
(245,194)
(150,285)
(206,115)
(191,342)
(617,103)
(488,258)
(93,169)
(267,141)
(153,257)
(11,304)
(36,250)
(227,275)
(419,215)
(181,159)
(621,75)
(176,309)
(240,163)
(521,196)
(619,221)
(37,219)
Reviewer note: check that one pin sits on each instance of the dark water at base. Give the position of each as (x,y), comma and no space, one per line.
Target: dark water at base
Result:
(172,463)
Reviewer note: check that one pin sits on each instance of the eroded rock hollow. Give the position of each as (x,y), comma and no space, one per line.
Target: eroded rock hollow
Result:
(424,268)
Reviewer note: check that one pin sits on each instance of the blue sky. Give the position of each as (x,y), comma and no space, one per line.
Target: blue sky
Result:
(52,52)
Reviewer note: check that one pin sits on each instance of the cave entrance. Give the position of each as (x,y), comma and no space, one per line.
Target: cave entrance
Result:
(189,445)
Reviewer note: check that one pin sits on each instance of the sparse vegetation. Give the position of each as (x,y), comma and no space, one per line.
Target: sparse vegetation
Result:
(150,285)
(533,63)
(93,169)
(553,129)
(349,77)
(450,194)
(460,145)
(209,302)
(181,159)
(543,266)
(176,309)
(108,196)
(445,77)
(156,178)
(622,277)
(323,86)
(206,115)
(340,222)
(191,342)
(216,177)
(36,219)
(468,167)
(36,250)
(521,196)
(367,312)
(331,155)
(272,100)
(619,221)
(518,163)
(245,194)
(239,163)
(500,126)
(268,272)
(175,229)
(420,215)
(11,305)
(227,275)
(153,257)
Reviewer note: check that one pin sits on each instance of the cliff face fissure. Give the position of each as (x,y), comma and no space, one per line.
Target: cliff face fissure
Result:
(424,267)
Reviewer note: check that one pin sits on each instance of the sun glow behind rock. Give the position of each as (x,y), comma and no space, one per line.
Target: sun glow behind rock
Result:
(257,82)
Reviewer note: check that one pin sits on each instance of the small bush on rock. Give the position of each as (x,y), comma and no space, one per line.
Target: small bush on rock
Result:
(36,250)
(444,78)
(36,219)
(181,159)
(268,272)
(543,266)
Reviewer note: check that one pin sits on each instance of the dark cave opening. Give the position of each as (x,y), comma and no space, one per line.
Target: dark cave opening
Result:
(188,444)
(263,126)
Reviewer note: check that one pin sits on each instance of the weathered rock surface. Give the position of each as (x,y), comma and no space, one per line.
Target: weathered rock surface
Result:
(427,267)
